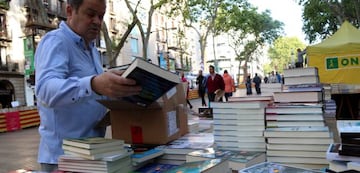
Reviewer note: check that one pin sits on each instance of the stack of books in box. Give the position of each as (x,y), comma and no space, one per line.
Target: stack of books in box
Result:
(95,155)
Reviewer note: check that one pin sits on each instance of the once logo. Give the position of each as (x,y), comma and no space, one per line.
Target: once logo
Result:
(333,63)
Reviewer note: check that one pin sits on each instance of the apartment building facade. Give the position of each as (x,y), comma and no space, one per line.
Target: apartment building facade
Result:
(24,23)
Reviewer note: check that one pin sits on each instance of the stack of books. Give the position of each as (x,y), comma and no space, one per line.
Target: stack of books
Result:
(349,131)
(95,154)
(296,132)
(237,159)
(72,163)
(94,148)
(239,125)
(294,115)
(339,162)
(346,154)
(175,152)
(301,76)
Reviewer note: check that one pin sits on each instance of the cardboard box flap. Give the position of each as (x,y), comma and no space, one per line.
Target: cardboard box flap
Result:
(119,104)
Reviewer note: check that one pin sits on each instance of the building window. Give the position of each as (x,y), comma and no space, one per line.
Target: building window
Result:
(3,57)
(134,45)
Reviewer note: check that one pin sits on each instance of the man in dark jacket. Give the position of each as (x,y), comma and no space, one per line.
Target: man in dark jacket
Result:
(257,81)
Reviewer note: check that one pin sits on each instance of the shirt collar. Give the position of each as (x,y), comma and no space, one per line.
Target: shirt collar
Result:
(74,36)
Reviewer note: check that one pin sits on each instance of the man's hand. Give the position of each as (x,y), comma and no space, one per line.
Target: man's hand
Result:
(111,84)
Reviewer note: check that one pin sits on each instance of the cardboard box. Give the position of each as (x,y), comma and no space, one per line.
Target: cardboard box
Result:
(159,123)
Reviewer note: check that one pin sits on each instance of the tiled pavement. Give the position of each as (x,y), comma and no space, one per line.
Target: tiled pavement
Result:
(18,149)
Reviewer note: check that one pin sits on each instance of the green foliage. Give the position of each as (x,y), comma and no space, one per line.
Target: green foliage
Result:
(322,18)
(283,52)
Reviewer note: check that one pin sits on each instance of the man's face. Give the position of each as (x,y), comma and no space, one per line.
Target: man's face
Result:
(211,70)
(87,20)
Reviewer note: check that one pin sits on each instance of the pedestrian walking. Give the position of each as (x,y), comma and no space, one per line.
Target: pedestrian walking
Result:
(257,82)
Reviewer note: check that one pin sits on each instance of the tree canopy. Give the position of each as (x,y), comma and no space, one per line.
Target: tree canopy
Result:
(323,18)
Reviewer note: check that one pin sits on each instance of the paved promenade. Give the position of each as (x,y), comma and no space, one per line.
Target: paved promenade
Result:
(18,149)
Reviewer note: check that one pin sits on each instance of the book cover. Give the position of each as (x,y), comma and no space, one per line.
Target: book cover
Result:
(189,142)
(154,168)
(206,154)
(267,167)
(348,128)
(244,159)
(237,159)
(206,166)
(154,81)
(139,157)
(93,142)
(333,154)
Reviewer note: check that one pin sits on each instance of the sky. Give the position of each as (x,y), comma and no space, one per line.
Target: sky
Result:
(286,11)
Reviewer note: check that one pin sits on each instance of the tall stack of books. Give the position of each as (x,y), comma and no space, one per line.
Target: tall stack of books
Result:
(296,132)
(239,125)
(95,155)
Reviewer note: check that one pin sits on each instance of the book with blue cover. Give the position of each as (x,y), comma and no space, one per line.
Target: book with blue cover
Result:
(154,81)
(154,168)
(139,157)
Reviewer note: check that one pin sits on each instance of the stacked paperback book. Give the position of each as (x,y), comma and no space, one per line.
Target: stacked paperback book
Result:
(237,159)
(95,155)
(175,152)
(296,132)
(239,125)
